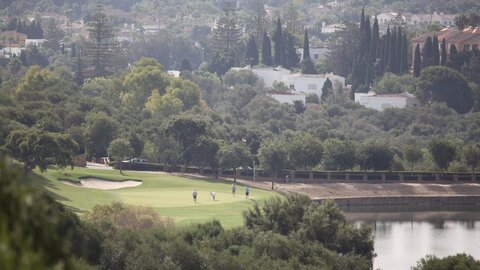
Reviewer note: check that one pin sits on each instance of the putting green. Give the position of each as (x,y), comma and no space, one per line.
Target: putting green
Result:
(170,195)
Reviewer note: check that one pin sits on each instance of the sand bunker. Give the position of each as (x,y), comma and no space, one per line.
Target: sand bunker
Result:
(96,183)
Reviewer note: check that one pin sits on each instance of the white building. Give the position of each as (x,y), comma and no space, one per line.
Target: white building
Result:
(390,18)
(34,42)
(173,73)
(7,52)
(270,75)
(435,18)
(287,97)
(316,53)
(332,28)
(312,84)
(382,101)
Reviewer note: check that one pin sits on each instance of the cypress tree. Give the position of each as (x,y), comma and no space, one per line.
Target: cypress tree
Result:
(367,36)
(79,77)
(266,50)
(279,48)
(398,51)
(435,51)
(326,90)
(404,66)
(291,57)
(386,47)
(306,46)
(417,63)
(251,55)
(427,53)
(391,51)
(73,50)
(374,45)
(443,59)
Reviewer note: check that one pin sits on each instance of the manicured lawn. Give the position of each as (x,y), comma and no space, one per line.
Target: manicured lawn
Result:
(168,194)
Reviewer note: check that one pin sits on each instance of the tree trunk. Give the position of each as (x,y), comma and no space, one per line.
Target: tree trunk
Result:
(121,167)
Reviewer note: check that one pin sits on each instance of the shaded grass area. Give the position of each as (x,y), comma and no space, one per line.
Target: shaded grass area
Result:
(168,194)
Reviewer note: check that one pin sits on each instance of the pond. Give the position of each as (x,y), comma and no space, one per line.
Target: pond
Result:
(403,237)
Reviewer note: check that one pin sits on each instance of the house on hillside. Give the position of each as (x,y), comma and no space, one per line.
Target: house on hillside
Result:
(467,39)
(34,42)
(269,75)
(312,83)
(288,97)
(59,18)
(12,39)
(332,28)
(316,53)
(435,18)
(381,102)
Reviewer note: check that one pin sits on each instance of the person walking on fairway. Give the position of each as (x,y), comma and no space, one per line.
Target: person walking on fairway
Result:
(194,194)
(234,189)
(247,192)
(213,195)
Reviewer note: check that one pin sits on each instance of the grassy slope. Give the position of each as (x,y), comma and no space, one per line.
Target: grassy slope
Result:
(170,195)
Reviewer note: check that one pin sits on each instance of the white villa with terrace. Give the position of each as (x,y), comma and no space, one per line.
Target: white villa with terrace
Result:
(381,102)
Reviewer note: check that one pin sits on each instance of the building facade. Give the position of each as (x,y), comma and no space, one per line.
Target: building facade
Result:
(381,102)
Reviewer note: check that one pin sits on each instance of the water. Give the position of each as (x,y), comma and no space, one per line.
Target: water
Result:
(402,238)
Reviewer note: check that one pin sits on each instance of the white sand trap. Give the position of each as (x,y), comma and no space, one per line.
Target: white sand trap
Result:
(96,183)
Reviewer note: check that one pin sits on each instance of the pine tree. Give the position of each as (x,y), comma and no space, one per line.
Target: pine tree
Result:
(251,55)
(435,51)
(227,31)
(443,59)
(307,64)
(417,63)
(386,48)
(404,60)
(260,22)
(53,35)
(100,46)
(391,66)
(291,56)
(398,51)
(428,53)
(279,48)
(79,77)
(266,50)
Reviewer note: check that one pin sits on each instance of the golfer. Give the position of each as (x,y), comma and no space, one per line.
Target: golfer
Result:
(194,194)
(234,189)
(213,195)
(247,192)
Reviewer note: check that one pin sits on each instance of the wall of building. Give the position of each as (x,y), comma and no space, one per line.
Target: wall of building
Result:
(289,99)
(270,75)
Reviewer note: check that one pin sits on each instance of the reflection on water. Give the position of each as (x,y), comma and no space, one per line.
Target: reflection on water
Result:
(402,238)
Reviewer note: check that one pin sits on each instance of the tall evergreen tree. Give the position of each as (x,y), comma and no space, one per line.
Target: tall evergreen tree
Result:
(404,59)
(260,22)
(100,46)
(367,36)
(443,58)
(79,77)
(386,48)
(435,51)
(278,40)
(375,42)
(251,55)
(428,53)
(391,66)
(398,51)
(291,57)
(306,46)
(73,51)
(266,50)
(227,31)
(327,90)
(417,63)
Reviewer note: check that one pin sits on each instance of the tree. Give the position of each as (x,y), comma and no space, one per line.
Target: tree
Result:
(412,154)
(458,261)
(312,98)
(251,56)
(14,65)
(266,50)
(417,64)
(272,156)
(443,84)
(428,53)
(304,151)
(233,156)
(185,65)
(299,106)
(99,130)
(339,155)
(443,152)
(443,58)
(327,90)
(163,106)
(120,149)
(461,21)
(307,64)
(436,53)
(227,30)
(278,44)
(78,77)
(471,154)
(53,35)
(375,155)
(100,46)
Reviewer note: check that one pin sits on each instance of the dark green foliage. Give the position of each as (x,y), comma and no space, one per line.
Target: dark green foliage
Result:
(291,58)
(306,46)
(339,155)
(443,152)
(251,56)
(278,44)
(327,90)
(312,98)
(222,62)
(185,65)
(375,155)
(428,55)
(459,261)
(266,50)
(417,64)
(443,56)
(436,53)
(443,84)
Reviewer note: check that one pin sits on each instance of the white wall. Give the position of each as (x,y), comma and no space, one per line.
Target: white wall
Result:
(381,102)
(312,83)
(270,75)
(289,99)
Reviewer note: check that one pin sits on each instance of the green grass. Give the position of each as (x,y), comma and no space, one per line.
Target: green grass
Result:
(168,194)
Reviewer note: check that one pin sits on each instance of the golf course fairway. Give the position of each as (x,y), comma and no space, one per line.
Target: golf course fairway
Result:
(168,194)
